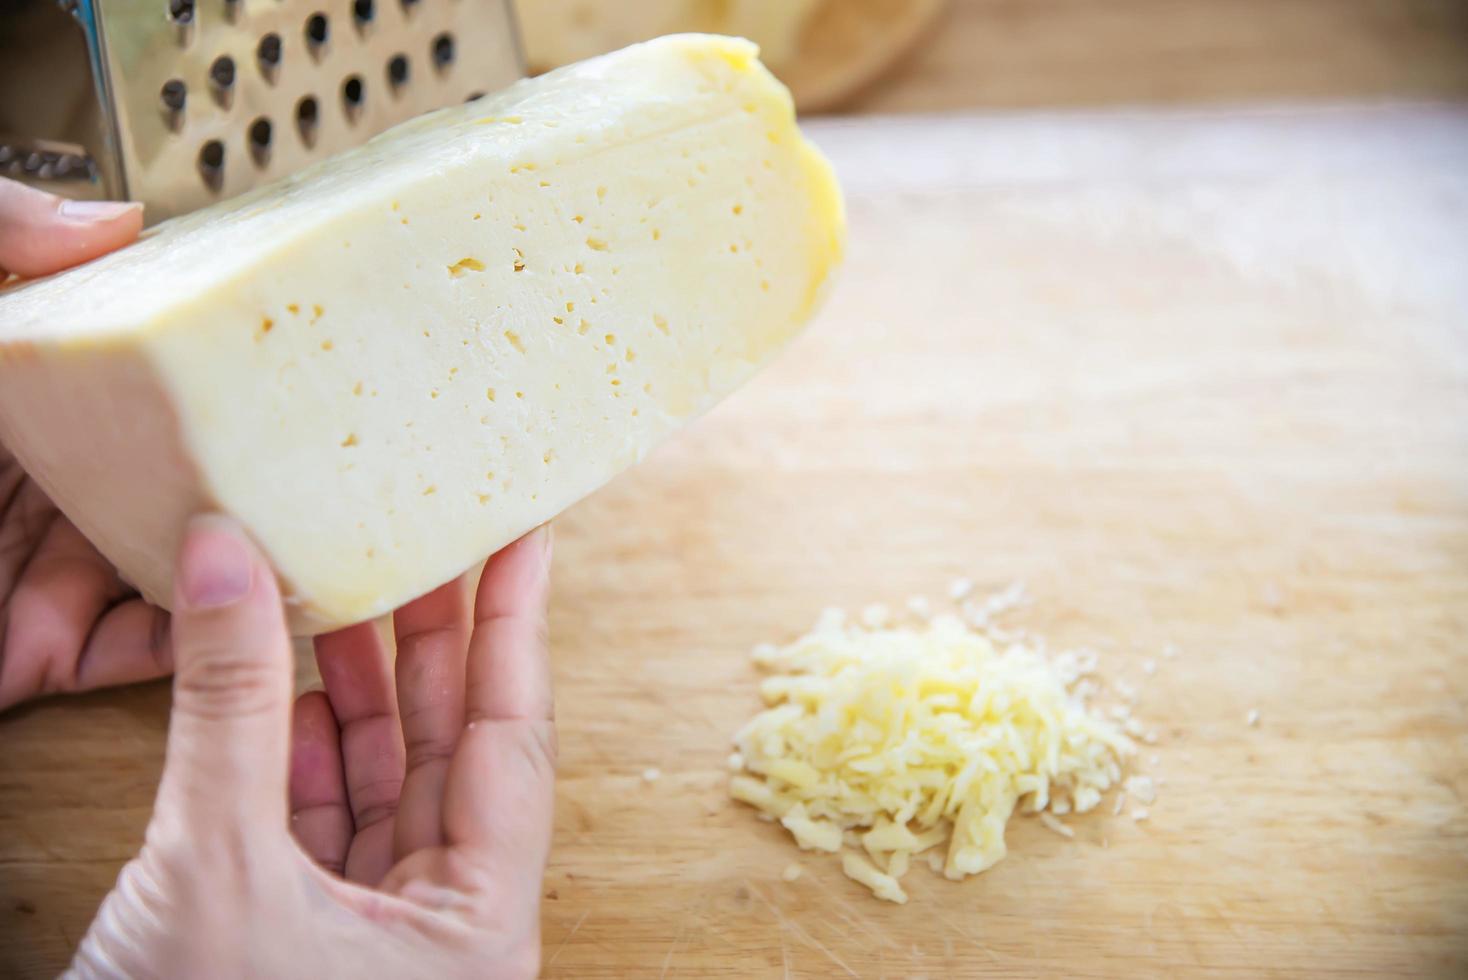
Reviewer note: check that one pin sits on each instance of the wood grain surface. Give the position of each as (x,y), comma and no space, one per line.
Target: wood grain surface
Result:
(1198,378)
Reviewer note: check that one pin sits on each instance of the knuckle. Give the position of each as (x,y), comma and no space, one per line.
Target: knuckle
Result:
(225,683)
(539,746)
(425,750)
(375,802)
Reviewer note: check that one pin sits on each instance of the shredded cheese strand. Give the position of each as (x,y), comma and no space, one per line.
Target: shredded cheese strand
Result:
(899,739)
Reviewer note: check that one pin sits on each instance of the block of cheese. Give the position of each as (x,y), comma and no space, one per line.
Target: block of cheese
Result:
(396,362)
(558,32)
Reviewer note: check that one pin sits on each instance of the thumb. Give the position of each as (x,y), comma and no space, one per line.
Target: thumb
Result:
(229,735)
(41,233)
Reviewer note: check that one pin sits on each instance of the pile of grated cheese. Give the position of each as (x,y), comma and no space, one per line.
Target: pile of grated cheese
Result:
(884,742)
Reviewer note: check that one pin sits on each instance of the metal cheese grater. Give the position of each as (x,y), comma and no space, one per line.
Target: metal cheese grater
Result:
(179,103)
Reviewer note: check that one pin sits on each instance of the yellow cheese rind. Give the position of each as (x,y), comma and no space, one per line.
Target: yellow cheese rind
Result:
(916,737)
(396,362)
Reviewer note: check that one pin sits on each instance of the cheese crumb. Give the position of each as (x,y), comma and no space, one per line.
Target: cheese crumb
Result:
(1054,824)
(960,588)
(1139,814)
(896,740)
(1142,788)
(791,872)
(736,762)
(876,616)
(1252,718)
(920,607)
(651,775)
(884,886)
(1149,667)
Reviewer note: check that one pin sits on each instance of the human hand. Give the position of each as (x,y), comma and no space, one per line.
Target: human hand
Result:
(67,621)
(41,233)
(435,802)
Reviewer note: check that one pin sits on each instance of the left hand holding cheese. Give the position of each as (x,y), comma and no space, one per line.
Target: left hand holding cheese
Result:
(421,821)
(68,622)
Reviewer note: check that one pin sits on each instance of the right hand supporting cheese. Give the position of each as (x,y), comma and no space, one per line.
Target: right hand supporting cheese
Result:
(396,362)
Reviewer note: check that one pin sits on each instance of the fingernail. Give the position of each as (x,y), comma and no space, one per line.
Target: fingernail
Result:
(215,566)
(89,211)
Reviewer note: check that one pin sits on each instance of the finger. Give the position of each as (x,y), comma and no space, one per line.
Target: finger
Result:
(499,800)
(130,643)
(41,233)
(57,601)
(432,637)
(320,818)
(229,734)
(507,674)
(354,668)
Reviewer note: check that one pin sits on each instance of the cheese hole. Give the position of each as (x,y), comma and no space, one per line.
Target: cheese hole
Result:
(467,264)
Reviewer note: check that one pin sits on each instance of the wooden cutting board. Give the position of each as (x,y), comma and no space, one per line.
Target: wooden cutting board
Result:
(1199,379)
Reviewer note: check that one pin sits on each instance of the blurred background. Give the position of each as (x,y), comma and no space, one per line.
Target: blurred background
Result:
(1157,306)
(870,56)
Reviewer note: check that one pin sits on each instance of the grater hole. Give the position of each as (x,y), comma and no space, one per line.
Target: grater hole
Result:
(362,11)
(174,95)
(317,31)
(397,71)
(354,94)
(443,51)
(308,115)
(181,11)
(221,73)
(211,163)
(261,132)
(268,53)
